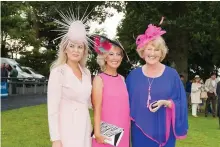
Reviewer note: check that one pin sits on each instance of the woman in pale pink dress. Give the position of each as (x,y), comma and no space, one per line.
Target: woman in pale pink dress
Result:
(69,91)
(109,92)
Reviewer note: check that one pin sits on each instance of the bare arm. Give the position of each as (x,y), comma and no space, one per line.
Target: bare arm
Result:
(97,103)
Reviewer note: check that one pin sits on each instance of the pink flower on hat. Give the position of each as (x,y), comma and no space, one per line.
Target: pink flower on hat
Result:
(151,33)
(106,45)
(101,45)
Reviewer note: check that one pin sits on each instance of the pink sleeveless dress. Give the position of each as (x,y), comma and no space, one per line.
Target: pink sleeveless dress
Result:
(115,107)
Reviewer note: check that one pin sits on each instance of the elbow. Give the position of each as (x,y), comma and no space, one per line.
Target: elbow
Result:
(97,111)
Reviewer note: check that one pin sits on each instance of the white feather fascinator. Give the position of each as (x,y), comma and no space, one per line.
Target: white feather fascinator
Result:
(74,28)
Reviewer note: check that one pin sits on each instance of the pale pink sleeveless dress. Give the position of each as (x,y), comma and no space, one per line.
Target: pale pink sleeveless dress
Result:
(115,107)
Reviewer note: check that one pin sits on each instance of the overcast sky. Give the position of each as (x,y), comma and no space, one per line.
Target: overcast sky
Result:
(110,24)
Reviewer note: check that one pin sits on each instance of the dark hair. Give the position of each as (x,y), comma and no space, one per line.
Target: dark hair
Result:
(181,76)
(213,73)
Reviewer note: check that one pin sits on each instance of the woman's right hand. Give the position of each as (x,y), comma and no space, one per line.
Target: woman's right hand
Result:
(100,139)
(57,143)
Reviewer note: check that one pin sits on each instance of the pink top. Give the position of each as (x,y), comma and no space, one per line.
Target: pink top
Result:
(115,102)
(115,106)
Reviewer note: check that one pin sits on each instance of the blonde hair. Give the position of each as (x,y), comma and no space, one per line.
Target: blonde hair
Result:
(158,43)
(62,57)
(194,80)
(101,58)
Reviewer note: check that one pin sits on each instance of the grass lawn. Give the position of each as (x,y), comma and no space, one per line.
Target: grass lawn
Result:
(28,127)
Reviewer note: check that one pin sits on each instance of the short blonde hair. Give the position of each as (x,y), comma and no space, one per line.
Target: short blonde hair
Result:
(62,57)
(158,43)
(101,58)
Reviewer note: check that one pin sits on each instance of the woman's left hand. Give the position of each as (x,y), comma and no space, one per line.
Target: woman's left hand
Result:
(158,104)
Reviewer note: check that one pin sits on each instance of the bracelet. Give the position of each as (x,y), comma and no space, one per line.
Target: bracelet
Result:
(165,104)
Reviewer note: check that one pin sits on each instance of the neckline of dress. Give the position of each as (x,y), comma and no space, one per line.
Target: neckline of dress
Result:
(142,71)
(110,75)
(74,74)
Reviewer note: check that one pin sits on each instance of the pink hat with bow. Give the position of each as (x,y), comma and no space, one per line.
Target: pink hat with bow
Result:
(151,33)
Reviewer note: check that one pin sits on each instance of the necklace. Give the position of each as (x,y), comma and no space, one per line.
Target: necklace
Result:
(149,91)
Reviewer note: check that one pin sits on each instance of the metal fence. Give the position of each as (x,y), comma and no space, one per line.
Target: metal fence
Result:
(26,86)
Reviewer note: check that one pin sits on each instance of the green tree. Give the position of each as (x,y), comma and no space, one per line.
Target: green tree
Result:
(15,28)
(192,32)
(31,24)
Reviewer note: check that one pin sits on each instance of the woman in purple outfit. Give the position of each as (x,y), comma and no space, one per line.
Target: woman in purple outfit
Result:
(158,106)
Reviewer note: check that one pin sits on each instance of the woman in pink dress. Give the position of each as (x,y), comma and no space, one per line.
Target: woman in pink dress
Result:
(109,93)
(69,91)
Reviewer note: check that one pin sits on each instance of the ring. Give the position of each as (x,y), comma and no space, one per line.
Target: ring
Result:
(105,141)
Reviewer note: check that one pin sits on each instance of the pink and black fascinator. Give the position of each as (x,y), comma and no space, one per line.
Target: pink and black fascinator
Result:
(102,44)
(151,33)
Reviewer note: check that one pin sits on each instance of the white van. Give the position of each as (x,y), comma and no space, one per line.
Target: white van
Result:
(21,73)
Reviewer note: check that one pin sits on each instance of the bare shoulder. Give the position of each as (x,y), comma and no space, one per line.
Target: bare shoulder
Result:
(97,80)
